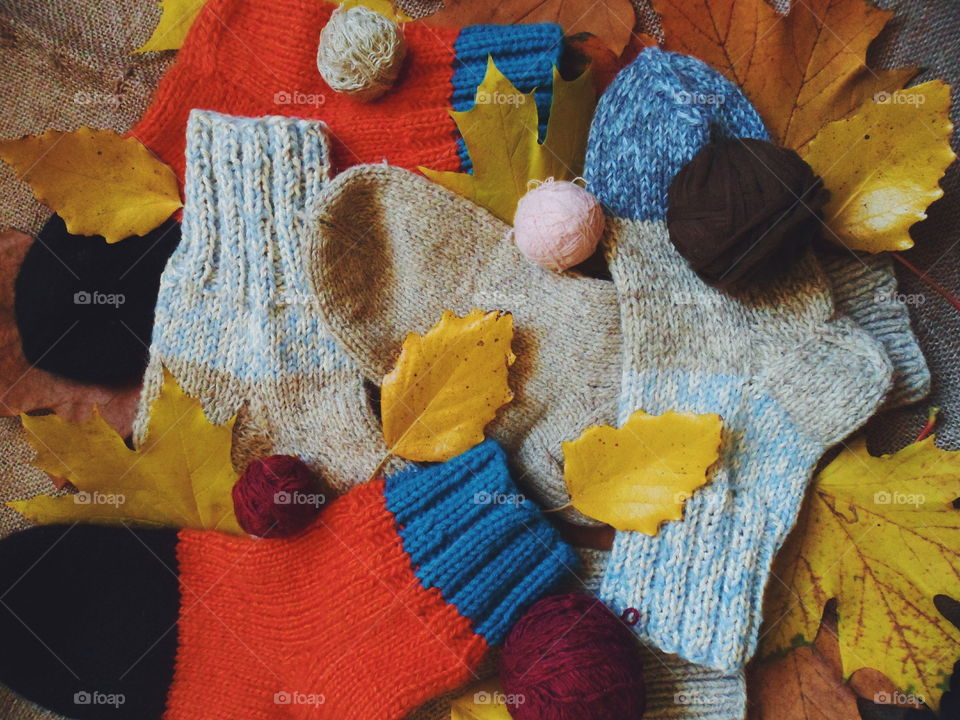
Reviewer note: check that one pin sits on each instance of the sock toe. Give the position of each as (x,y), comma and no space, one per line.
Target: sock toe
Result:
(88,619)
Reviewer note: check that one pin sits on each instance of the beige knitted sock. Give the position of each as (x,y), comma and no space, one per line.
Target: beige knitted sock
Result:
(236,319)
(396,250)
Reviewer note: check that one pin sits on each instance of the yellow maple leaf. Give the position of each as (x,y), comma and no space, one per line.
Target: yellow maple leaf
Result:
(384,7)
(99,182)
(500,132)
(447,386)
(879,534)
(883,165)
(799,70)
(640,475)
(481,701)
(180,477)
(175,22)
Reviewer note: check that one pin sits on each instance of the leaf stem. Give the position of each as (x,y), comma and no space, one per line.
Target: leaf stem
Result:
(382,464)
(933,284)
(931,423)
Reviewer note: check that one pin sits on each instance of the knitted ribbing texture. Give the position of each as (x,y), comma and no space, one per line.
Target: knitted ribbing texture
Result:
(258,57)
(236,320)
(392,597)
(395,251)
(786,375)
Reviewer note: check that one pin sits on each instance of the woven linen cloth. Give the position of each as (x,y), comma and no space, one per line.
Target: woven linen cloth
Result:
(64,64)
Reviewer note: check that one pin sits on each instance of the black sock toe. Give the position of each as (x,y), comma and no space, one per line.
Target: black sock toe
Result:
(85,307)
(88,619)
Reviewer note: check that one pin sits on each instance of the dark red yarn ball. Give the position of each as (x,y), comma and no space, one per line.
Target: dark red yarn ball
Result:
(570,658)
(277,496)
(744,210)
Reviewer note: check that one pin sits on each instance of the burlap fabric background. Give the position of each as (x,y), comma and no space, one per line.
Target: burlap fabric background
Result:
(66,63)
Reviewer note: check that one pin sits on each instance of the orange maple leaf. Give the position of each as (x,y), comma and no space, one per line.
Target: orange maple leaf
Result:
(800,70)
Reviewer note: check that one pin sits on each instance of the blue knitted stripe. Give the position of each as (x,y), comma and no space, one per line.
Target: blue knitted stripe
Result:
(472,535)
(662,109)
(525,54)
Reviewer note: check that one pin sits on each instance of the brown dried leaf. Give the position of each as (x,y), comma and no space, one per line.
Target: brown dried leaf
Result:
(804,684)
(800,70)
(26,389)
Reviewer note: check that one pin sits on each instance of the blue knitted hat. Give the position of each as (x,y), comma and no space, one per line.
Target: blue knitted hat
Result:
(655,116)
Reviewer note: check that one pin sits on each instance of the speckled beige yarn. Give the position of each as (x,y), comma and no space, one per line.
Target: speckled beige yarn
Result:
(236,322)
(395,250)
(361,53)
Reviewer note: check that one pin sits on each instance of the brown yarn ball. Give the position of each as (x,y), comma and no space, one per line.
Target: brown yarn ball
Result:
(742,209)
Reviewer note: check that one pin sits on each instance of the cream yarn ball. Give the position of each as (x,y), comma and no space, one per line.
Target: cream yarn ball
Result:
(558,224)
(361,53)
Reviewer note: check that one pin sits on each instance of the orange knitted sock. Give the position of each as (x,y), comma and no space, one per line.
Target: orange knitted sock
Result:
(258,57)
(390,599)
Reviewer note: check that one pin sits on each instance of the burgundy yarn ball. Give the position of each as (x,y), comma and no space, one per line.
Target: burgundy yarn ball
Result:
(277,496)
(570,658)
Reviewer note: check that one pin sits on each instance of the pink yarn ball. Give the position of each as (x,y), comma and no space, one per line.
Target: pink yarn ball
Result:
(558,225)
(570,658)
(277,496)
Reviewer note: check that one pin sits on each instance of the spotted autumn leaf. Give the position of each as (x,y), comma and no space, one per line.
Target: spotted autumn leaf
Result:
(447,386)
(640,475)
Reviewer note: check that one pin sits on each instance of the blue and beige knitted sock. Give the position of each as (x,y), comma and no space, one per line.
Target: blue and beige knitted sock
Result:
(676,689)
(787,376)
(236,319)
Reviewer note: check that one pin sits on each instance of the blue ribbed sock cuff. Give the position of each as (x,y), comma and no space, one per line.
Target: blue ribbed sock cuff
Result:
(252,186)
(263,161)
(471,534)
(525,54)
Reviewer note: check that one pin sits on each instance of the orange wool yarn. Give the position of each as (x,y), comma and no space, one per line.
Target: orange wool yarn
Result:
(296,628)
(258,57)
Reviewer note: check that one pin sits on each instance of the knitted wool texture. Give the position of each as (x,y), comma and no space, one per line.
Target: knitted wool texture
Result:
(865,290)
(788,378)
(676,689)
(236,319)
(395,250)
(287,628)
(258,57)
